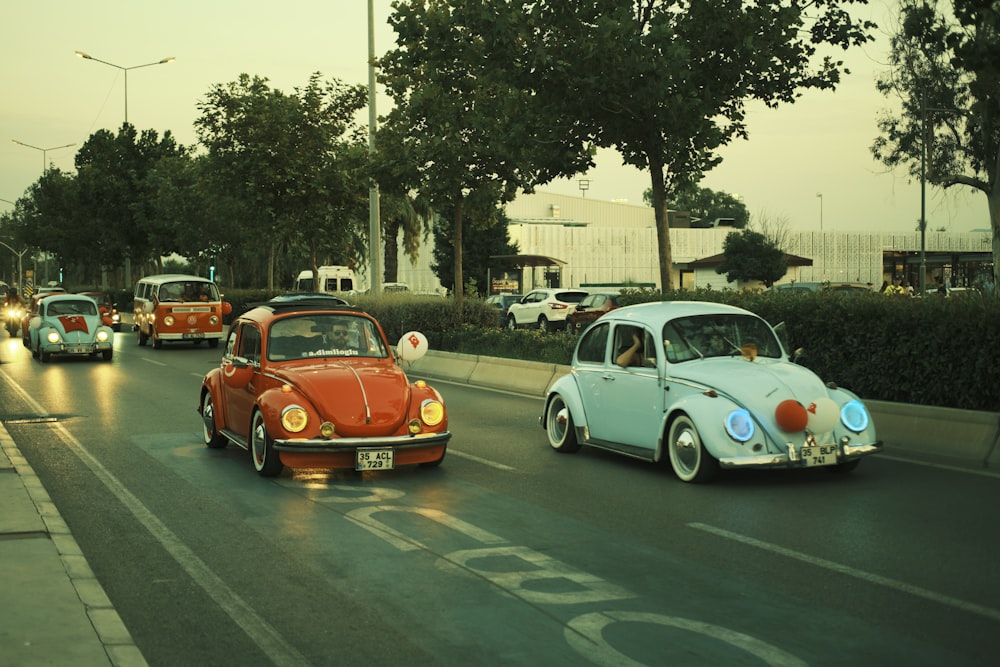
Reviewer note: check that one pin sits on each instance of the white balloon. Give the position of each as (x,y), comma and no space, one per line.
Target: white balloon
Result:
(823,414)
(412,346)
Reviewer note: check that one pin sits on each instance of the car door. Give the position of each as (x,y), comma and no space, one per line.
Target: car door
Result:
(239,400)
(624,406)
(527,311)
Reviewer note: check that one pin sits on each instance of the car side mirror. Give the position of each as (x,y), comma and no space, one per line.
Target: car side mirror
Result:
(237,372)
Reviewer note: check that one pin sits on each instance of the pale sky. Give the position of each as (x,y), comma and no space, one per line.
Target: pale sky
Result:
(50,98)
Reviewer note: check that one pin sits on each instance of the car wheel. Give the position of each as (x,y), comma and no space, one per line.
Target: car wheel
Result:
(570,329)
(688,457)
(43,356)
(107,354)
(210,434)
(543,324)
(265,458)
(511,323)
(213,343)
(559,426)
(34,350)
(142,337)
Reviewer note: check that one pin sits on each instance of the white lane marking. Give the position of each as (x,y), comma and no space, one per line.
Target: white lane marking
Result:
(485,462)
(584,634)
(942,466)
(261,633)
(152,361)
(894,584)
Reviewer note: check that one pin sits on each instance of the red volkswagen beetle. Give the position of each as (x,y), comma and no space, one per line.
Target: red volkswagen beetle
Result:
(311,382)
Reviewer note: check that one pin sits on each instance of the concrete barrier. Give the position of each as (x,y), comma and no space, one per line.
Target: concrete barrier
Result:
(967,438)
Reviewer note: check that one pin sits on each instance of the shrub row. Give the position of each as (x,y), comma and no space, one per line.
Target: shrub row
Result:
(926,351)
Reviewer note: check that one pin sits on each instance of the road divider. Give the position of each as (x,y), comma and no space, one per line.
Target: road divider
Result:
(949,436)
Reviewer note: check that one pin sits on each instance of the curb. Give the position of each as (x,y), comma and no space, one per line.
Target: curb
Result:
(929,433)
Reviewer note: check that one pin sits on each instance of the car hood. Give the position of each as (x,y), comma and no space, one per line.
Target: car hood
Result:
(757,385)
(367,398)
(74,327)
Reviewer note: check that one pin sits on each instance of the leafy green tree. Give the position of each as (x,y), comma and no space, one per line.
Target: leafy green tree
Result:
(472,136)
(706,205)
(750,256)
(490,236)
(664,82)
(116,202)
(944,69)
(293,160)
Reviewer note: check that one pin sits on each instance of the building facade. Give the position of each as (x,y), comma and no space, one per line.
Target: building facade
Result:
(602,243)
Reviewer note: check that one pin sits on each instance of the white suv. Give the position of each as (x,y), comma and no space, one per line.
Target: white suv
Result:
(545,308)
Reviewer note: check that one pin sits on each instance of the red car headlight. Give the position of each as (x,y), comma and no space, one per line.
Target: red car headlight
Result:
(431,412)
(294,418)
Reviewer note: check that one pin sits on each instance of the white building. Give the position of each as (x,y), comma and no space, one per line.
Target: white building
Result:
(609,243)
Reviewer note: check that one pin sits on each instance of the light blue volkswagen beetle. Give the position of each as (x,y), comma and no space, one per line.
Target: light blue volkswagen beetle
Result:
(703,385)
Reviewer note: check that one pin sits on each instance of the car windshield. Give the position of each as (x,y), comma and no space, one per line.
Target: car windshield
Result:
(324,335)
(701,336)
(188,290)
(80,307)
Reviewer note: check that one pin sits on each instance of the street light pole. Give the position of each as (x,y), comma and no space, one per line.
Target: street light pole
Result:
(45,164)
(87,56)
(820,195)
(374,222)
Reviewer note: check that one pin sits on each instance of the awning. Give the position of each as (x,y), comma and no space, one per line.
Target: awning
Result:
(522,261)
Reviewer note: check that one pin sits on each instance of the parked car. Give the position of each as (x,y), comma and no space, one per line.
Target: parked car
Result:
(502,302)
(108,310)
(714,387)
(838,287)
(309,382)
(68,324)
(587,311)
(545,308)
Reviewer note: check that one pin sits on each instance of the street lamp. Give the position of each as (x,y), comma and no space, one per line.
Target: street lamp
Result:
(45,163)
(86,56)
(820,195)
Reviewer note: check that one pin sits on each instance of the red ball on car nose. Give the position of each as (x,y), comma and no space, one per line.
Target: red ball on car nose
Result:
(791,416)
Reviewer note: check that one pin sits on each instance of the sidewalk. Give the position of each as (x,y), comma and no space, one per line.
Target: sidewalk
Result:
(53,611)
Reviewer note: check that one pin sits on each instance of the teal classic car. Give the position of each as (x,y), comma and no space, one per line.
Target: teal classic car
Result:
(704,386)
(68,324)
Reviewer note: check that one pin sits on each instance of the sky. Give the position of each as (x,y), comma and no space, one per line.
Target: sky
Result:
(807,165)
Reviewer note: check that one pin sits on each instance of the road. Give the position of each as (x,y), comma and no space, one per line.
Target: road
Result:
(507,554)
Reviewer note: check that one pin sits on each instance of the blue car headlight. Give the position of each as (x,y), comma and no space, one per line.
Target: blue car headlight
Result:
(854,416)
(739,425)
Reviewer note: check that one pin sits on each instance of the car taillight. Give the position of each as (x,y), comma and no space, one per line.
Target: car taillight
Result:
(557,306)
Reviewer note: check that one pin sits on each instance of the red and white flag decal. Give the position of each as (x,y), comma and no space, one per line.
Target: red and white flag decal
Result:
(73,323)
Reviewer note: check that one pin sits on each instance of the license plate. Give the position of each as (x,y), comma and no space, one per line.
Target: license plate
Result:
(78,350)
(819,455)
(374,459)
(193,335)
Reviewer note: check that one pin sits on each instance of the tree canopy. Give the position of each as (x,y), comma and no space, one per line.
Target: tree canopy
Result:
(749,255)
(944,71)
(707,205)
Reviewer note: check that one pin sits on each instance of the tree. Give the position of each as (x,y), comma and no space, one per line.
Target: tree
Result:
(293,161)
(945,73)
(750,256)
(706,205)
(473,136)
(664,82)
(489,237)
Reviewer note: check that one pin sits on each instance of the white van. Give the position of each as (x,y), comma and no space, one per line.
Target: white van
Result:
(331,279)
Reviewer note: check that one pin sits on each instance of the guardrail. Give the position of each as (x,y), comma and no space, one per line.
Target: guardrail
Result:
(967,438)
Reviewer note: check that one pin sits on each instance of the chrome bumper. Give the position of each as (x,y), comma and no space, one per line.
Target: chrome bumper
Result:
(349,444)
(790,459)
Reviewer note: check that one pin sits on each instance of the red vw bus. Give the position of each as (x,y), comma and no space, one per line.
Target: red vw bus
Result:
(178,307)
